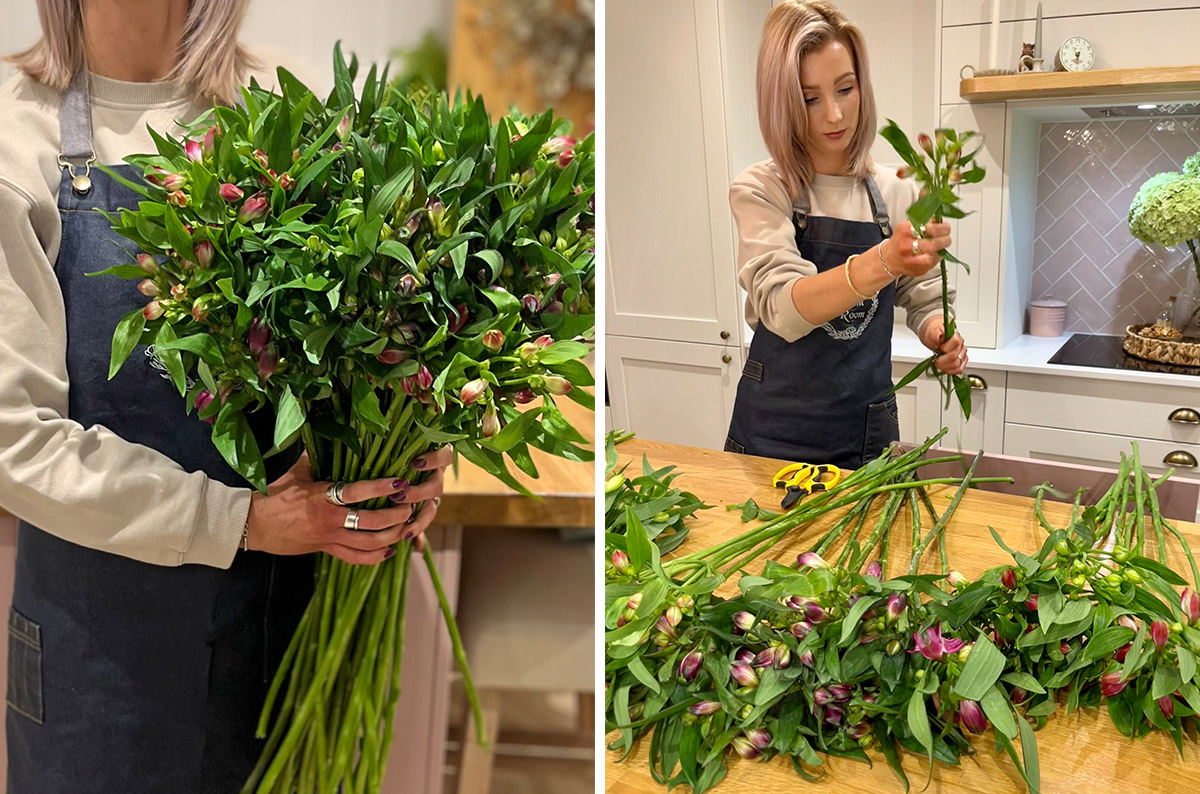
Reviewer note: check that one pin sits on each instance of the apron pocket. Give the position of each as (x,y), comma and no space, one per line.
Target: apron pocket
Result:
(24,666)
(883,427)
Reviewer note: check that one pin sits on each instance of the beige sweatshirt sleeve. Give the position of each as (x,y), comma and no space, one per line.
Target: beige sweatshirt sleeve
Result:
(87,486)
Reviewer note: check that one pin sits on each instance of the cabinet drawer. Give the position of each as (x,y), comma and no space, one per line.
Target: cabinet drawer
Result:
(1104,406)
(1097,449)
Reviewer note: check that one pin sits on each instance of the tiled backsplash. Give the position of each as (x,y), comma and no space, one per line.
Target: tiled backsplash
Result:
(1088,173)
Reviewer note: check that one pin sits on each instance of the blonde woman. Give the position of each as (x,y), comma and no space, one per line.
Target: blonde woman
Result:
(824,254)
(154,592)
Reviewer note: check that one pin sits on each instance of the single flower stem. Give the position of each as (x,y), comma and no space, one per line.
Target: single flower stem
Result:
(941,524)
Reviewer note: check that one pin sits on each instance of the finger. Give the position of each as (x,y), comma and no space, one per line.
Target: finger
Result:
(937,230)
(423,492)
(355,556)
(419,544)
(370,489)
(376,520)
(438,459)
(953,345)
(369,540)
(422,520)
(301,470)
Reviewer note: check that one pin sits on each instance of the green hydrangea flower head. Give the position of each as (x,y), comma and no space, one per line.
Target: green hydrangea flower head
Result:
(1191,166)
(1166,209)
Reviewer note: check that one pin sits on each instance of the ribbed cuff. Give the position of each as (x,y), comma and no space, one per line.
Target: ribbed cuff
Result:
(219,523)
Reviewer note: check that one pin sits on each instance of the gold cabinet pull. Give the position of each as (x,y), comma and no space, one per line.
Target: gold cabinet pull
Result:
(725,335)
(1185,416)
(727,358)
(977,382)
(1180,458)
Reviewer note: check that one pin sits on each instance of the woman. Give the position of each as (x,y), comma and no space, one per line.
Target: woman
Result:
(817,255)
(155,593)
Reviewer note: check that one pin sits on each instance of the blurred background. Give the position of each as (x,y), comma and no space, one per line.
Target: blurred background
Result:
(524,581)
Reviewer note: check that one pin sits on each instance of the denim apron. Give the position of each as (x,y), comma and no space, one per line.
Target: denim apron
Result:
(825,398)
(127,677)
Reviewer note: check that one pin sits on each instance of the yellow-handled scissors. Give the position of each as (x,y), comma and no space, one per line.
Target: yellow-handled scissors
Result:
(802,479)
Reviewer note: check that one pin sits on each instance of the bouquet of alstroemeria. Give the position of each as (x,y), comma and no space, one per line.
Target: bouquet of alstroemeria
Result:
(836,658)
(940,165)
(376,275)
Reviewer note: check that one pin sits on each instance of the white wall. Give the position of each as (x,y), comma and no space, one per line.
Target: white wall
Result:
(297,33)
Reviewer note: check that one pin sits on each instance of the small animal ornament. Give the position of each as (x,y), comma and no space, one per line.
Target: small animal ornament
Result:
(1025,64)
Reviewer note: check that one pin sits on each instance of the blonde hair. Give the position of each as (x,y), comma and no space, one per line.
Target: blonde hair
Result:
(211,63)
(793,29)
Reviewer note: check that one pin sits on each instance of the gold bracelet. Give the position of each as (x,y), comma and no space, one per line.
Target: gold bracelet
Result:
(850,283)
(882,261)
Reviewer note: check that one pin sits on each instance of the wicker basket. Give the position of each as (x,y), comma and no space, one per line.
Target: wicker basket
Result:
(1181,352)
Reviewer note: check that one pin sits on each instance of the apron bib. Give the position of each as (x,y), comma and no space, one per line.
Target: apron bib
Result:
(127,677)
(825,398)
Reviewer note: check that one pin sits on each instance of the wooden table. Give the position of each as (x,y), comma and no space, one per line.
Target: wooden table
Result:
(1079,753)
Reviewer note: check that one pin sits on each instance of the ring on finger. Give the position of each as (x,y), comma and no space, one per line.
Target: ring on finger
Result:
(916,247)
(333,494)
(351,521)
(919,231)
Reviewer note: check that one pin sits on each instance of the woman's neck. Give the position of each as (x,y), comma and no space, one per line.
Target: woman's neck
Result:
(133,40)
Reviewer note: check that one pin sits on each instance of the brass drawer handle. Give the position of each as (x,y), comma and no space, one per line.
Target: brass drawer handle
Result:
(1185,416)
(1180,458)
(726,358)
(725,335)
(977,382)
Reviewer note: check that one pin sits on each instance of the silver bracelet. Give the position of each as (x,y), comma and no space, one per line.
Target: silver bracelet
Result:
(883,262)
(246,537)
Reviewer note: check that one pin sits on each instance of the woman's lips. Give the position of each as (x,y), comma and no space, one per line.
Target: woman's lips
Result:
(835,135)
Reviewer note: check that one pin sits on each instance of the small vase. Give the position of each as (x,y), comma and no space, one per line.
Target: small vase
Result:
(1187,307)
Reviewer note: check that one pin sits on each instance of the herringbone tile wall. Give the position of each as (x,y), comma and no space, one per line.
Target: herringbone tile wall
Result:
(1088,173)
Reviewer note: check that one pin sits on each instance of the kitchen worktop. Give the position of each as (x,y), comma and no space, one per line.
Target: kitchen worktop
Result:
(1077,753)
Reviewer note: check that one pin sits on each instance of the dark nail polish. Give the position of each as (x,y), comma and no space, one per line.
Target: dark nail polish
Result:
(407,535)
(387,555)
(413,517)
(420,463)
(399,485)
(398,497)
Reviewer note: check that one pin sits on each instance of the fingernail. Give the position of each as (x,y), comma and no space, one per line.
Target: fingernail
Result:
(420,463)
(387,555)
(398,485)
(413,517)
(398,497)
(408,535)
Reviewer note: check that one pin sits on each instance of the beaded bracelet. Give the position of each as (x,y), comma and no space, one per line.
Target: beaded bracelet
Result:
(850,283)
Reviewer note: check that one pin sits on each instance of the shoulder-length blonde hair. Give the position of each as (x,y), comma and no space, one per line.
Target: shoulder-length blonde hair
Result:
(211,62)
(793,29)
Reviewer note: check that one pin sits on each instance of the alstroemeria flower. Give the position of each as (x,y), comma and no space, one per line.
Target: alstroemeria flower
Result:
(194,151)
(258,336)
(841,692)
(473,391)
(231,192)
(970,716)
(801,629)
(690,665)
(704,708)
(254,208)
(810,559)
(205,253)
(1160,633)
(932,645)
(1189,602)
(742,622)
(896,604)
(759,737)
(875,568)
(1111,684)
(743,674)
(1167,704)
(620,561)
(744,748)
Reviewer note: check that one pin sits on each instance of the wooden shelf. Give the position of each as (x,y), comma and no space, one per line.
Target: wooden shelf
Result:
(1100,82)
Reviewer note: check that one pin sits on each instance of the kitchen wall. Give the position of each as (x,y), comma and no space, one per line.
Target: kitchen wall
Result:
(1088,173)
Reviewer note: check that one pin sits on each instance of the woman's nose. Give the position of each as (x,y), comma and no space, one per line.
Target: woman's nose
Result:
(834,114)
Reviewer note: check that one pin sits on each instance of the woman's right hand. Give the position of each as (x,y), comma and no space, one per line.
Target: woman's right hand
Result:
(897,251)
(295,518)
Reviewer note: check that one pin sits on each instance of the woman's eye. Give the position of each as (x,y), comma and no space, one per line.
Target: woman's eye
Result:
(846,90)
(810,100)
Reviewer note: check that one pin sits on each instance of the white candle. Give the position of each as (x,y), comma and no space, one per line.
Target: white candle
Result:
(994,49)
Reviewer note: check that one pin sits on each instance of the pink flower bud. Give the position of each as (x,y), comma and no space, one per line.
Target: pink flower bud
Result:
(663,625)
(1189,602)
(810,559)
(1122,652)
(742,622)
(455,323)
(231,192)
(743,747)
(193,151)
(970,716)
(896,604)
(258,337)
(1167,704)
(563,143)
(1031,603)
(544,341)
(904,172)
(841,692)
(1009,578)
(267,363)
(490,425)
(174,181)
(261,156)
(834,715)
(524,396)
(407,285)
(148,288)
(759,737)
(425,378)
(531,304)
(343,127)
(1064,647)
(392,356)
(956,579)
(822,696)
(807,659)
(209,144)
(1111,684)
(1160,633)
(153,310)
(813,612)
(199,312)
(156,178)
(203,400)
(473,391)
(1019,695)
(1128,622)
(287,182)
(204,253)
(553,307)
(875,568)
(689,666)
(254,208)
(926,143)
(565,159)
(147,263)
(556,385)
(178,292)
(704,708)
(801,629)
(620,561)
(955,175)
(743,674)
(493,340)
(178,198)
(673,614)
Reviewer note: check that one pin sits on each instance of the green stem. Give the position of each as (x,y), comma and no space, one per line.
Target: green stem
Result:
(460,655)
(941,524)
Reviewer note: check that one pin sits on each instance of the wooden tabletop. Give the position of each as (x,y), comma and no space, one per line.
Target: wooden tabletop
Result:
(1079,753)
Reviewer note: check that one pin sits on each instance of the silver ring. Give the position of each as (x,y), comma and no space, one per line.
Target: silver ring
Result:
(351,521)
(919,231)
(333,494)
(916,249)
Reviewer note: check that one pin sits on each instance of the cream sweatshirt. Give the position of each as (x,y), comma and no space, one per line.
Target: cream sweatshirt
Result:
(88,486)
(769,261)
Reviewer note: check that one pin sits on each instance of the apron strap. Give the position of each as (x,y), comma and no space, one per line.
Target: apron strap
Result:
(75,129)
(878,207)
(801,208)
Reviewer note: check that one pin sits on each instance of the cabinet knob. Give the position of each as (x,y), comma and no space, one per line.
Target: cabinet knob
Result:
(728,358)
(977,382)
(1185,416)
(725,335)
(1180,458)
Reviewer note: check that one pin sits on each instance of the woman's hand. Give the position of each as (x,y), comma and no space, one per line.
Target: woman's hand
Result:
(296,518)
(953,358)
(898,254)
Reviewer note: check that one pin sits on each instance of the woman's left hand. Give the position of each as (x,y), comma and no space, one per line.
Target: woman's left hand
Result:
(953,358)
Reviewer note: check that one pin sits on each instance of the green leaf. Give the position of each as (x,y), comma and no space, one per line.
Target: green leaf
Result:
(180,240)
(854,617)
(637,542)
(366,405)
(561,352)
(1187,664)
(122,271)
(515,431)
(202,345)
(1050,603)
(125,339)
(1166,680)
(997,709)
(924,209)
(918,720)
(316,340)
(494,260)
(234,439)
(638,668)
(1147,564)
(1029,751)
(289,417)
(1024,681)
(1073,612)
(171,359)
(913,374)
(981,671)
(399,251)
(1106,641)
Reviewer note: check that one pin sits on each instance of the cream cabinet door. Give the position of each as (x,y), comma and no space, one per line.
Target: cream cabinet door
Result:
(672,391)
(669,249)
(918,405)
(985,429)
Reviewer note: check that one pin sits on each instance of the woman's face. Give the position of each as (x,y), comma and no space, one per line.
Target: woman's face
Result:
(831,99)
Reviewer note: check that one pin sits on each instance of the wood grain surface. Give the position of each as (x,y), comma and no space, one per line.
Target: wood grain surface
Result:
(1097,82)
(1082,752)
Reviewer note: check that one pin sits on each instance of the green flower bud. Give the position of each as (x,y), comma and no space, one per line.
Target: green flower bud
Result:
(1131,575)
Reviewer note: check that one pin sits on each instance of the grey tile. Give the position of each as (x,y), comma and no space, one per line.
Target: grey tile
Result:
(1041,252)
(1087,311)
(1130,132)
(1045,186)
(1172,136)
(1092,279)
(1131,165)
(1101,142)
(1062,260)
(1064,288)
(1069,159)
(1119,237)
(1067,194)
(1062,229)
(1093,245)
(1040,284)
(1098,177)
(1047,150)
(1098,212)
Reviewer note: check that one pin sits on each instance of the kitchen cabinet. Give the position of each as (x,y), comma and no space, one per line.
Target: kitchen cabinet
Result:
(672,391)
(985,429)
(919,406)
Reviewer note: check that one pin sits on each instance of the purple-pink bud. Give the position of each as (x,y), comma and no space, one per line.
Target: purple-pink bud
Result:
(1189,602)
(1019,695)
(1031,603)
(807,659)
(689,666)
(473,391)
(1009,578)
(254,208)
(174,181)
(261,156)
(267,363)
(204,253)
(193,151)
(822,696)
(704,708)
(557,385)
(424,377)
(896,604)
(810,559)
(813,612)
(524,396)
(743,747)
(258,336)
(407,285)
(1128,621)
(148,264)
(556,146)
(956,579)
(970,716)
(490,425)
(493,340)
(231,192)
(1111,684)
(178,198)
(743,674)
(1160,633)
(875,568)
(531,304)
(759,737)
(287,181)
(203,400)
(343,127)
(199,312)
(210,138)
(1167,704)
(834,715)
(742,622)
(153,310)
(841,692)
(455,323)
(620,561)
(801,629)
(178,292)
(148,288)
(392,356)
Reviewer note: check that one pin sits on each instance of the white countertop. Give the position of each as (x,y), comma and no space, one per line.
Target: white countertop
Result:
(1031,354)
